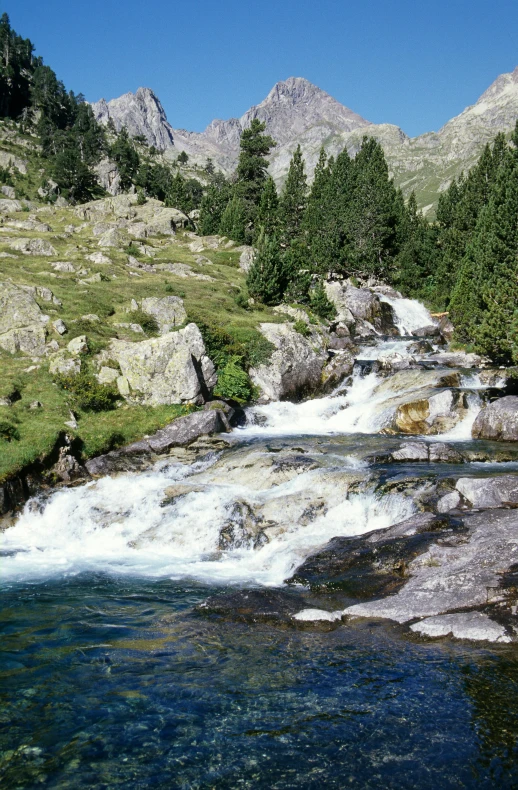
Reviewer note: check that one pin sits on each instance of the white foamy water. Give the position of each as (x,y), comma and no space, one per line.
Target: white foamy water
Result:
(462,431)
(121,525)
(126,524)
(359,410)
(409,314)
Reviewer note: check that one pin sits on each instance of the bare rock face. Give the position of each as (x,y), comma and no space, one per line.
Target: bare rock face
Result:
(108,176)
(499,420)
(170,369)
(454,574)
(298,112)
(22,324)
(295,366)
(141,113)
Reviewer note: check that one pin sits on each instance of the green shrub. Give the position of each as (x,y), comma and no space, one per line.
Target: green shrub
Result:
(321,305)
(141,198)
(302,328)
(8,431)
(86,392)
(234,382)
(132,249)
(241,299)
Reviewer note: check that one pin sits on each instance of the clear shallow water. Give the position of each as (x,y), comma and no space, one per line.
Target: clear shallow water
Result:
(109,683)
(109,679)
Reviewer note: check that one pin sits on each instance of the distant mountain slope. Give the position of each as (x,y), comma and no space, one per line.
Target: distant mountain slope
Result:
(297,112)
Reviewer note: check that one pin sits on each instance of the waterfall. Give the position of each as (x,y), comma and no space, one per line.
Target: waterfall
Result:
(409,315)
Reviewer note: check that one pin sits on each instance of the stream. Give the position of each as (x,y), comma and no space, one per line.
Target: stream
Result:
(110,676)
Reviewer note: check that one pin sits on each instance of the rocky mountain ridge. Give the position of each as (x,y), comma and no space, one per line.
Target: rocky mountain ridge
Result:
(298,112)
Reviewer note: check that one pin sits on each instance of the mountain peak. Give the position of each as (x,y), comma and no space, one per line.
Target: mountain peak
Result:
(141,113)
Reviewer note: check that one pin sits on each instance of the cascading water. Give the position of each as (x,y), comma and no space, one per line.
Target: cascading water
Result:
(127,524)
(409,315)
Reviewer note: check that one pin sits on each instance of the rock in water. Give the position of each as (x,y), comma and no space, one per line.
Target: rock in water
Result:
(499,420)
(295,366)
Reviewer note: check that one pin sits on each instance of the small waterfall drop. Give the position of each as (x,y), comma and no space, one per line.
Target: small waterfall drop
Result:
(409,314)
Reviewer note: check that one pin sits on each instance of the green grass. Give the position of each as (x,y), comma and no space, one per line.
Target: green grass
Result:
(212,302)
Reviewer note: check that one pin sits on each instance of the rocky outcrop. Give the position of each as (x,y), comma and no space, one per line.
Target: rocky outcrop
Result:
(489,492)
(498,420)
(453,574)
(33,247)
(141,113)
(170,369)
(22,324)
(360,309)
(295,366)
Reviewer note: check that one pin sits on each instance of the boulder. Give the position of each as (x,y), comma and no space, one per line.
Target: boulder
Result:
(430,415)
(10,206)
(173,368)
(33,246)
(411,451)
(114,237)
(351,302)
(449,502)
(63,364)
(462,625)
(60,326)
(489,492)
(295,366)
(8,192)
(63,266)
(98,257)
(453,574)
(107,375)
(108,176)
(78,345)
(21,321)
(168,311)
(246,259)
(498,420)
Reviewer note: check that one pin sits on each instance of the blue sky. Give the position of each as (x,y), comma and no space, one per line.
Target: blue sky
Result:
(414,64)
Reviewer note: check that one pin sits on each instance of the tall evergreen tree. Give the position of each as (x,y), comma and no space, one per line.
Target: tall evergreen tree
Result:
(253,165)
(213,204)
(267,219)
(266,279)
(292,203)
(125,155)
(234,220)
(371,214)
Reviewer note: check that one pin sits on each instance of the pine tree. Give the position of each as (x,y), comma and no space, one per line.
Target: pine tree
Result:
(267,218)
(484,299)
(371,213)
(266,278)
(318,220)
(125,155)
(213,204)
(234,220)
(252,165)
(292,203)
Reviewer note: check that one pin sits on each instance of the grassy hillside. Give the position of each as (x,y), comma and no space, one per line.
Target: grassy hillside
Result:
(104,290)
